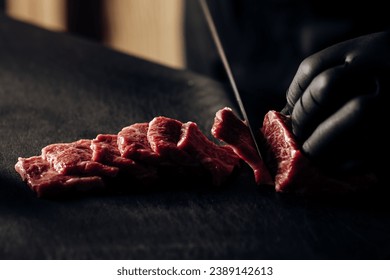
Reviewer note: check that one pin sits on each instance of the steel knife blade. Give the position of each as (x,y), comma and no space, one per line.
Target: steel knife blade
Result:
(226,65)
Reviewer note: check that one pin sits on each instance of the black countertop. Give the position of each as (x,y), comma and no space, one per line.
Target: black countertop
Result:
(59,88)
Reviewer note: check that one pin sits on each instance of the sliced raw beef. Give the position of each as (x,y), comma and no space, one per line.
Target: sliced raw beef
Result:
(284,157)
(293,171)
(189,148)
(220,161)
(162,151)
(230,129)
(163,135)
(76,158)
(133,144)
(105,150)
(47,182)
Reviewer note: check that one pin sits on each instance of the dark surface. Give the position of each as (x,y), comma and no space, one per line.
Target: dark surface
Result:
(58,88)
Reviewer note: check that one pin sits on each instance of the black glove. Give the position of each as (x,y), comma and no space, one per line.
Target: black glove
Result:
(338,100)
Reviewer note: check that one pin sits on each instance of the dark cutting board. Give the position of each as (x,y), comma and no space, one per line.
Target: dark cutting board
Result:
(59,88)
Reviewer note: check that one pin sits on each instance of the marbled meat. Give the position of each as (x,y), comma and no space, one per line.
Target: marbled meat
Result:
(292,170)
(220,161)
(230,129)
(105,150)
(45,181)
(141,153)
(133,144)
(75,158)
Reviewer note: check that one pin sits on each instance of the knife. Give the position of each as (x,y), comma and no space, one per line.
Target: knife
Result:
(222,55)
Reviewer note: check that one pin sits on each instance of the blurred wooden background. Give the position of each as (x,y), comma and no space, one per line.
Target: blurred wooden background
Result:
(150,29)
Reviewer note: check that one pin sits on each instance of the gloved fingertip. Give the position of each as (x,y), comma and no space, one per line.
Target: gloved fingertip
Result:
(285,110)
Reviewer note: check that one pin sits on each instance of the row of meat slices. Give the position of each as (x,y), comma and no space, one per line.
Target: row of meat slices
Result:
(167,150)
(164,149)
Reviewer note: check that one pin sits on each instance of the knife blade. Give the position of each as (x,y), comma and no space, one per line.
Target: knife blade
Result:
(226,65)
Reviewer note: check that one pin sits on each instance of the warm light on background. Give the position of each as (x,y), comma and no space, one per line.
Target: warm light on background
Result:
(150,29)
(50,14)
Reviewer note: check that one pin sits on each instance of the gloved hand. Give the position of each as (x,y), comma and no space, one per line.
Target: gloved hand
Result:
(338,100)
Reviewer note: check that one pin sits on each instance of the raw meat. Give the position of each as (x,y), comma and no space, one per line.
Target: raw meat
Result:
(163,135)
(162,151)
(293,171)
(167,149)
(230,129)
(47,182)
(133,144)
(187,147)
(105,150)
(284,157)
(220,161)
(76,159)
